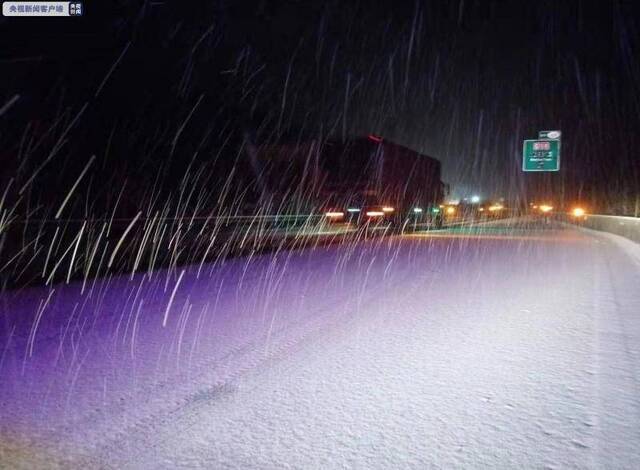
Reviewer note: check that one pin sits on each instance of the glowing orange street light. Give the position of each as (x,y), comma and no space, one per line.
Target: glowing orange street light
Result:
(375,214)
(578,212)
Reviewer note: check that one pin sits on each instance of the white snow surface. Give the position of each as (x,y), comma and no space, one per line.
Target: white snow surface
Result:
(511,348)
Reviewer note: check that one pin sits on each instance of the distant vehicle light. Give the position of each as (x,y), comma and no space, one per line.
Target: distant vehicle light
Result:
(334,215)
(417,210)
(482,209)
(375,213)
(451,210)
(496,207)
(353,209)
(387,209)
(546,208)
(534,206)
(578,212)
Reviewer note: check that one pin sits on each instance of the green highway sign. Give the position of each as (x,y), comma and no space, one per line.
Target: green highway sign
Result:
(541,155)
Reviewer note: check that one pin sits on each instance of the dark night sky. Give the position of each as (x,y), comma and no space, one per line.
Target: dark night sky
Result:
(464,81)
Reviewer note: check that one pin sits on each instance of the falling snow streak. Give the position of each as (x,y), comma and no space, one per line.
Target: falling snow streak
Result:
(121,240)
(66,199)
(173,294)
(9,104)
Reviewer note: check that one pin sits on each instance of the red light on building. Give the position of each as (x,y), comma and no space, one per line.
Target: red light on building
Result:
(375,138)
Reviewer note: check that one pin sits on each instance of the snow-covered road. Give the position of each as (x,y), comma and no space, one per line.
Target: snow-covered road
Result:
(499,347)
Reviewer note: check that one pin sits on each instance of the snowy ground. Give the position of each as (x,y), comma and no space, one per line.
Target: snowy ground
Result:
(493,348)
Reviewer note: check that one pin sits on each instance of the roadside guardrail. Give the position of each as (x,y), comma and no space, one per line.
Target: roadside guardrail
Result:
(36,251)
(628,227)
